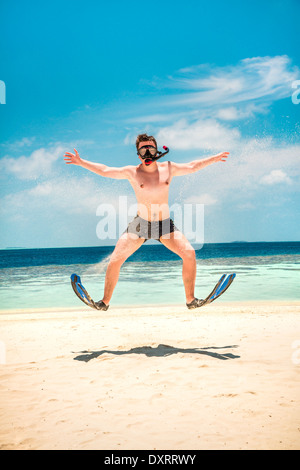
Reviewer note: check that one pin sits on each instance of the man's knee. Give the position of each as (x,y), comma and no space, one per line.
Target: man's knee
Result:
(117,259)
(188,253)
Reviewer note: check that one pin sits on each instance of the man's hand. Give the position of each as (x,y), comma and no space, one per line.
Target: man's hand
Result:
(72,158)
(221,157)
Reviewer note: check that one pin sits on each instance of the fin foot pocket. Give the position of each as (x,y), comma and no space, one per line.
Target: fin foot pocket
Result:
(101,305)
(195,303)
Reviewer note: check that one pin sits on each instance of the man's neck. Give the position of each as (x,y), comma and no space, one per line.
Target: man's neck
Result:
(149,168)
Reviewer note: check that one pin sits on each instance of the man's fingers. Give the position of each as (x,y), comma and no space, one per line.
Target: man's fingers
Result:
(69,157)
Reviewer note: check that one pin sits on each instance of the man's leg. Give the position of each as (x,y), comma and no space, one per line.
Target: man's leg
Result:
(182,247)
(125,247)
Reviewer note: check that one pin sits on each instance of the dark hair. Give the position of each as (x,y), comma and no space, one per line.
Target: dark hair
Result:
(144,138)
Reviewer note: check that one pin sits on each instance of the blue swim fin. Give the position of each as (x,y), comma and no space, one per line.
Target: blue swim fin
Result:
(221,289)
(81,292)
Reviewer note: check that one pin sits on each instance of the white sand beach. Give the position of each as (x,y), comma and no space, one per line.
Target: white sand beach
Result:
(222,377)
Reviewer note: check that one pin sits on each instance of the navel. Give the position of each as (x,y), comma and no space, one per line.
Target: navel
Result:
(141,185)
(167,182)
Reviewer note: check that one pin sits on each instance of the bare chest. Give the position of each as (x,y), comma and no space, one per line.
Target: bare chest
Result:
(157,181)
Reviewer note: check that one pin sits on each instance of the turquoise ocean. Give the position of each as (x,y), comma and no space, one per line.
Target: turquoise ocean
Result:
(40,278)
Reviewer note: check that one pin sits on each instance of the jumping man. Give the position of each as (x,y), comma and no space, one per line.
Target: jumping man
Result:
(151,181)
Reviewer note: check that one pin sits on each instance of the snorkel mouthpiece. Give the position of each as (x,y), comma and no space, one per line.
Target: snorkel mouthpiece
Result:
(147,157)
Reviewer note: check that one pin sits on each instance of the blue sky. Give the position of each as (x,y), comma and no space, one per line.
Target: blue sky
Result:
(203,77)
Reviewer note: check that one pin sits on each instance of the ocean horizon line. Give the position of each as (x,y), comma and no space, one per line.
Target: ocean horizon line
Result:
(145,245)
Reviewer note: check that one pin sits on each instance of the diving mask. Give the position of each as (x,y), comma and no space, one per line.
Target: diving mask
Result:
(149,153)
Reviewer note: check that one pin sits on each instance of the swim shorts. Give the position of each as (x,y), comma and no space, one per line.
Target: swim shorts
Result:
(151,229)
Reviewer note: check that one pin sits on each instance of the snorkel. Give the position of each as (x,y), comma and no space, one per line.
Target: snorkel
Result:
(150,154)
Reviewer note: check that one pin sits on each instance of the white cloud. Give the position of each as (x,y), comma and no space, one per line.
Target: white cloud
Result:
(228,114)
(18,144)
(74,195)
(235,113)
(39,163)
(251,166)
(257,78)
(206,199)
(229,93)
(152,118)
(275,177)
(203,134)
(246,206)
(69,195)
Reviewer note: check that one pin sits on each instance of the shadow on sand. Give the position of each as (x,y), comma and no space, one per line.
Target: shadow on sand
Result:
(161,350)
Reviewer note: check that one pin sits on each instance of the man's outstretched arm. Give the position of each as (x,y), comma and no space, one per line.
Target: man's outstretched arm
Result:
(99,168)
(179,169)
